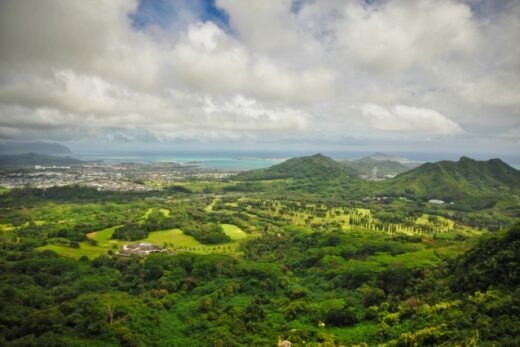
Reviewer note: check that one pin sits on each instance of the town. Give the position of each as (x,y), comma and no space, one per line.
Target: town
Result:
(107,176)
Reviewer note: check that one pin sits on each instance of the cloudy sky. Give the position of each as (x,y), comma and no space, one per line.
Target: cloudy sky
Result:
(408,75)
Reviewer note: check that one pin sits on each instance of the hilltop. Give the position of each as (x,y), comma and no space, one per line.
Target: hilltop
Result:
(470,184)
(458,180)
(48,148)
(30,159)
(493,261)
(317,166)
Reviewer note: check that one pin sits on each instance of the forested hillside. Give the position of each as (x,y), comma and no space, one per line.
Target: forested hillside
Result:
(317,289)
(302,251)
(316,166)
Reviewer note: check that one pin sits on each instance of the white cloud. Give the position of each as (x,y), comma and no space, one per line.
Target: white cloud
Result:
(94,37)
(492,92)
(244,113)
(283,70)
(399,34)
(266,25)
(208,59)
(401,118)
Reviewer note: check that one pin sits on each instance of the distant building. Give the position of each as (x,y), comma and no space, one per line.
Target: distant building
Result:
(143,248)
(436,201)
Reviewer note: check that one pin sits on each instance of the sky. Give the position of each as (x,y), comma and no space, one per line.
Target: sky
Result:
(343,75)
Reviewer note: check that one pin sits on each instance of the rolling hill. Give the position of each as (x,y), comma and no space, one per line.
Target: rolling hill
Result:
(317,166)
(464,179)
(494,260)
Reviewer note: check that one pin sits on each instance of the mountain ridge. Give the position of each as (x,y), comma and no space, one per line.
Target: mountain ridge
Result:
(30,159)
(461,180)
(317,166)
(48,148)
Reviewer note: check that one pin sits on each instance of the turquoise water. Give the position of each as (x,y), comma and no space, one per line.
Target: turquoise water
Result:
(257,160)
(221,162)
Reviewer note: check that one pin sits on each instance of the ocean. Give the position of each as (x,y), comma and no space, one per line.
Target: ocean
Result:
(222,161)
(241,160)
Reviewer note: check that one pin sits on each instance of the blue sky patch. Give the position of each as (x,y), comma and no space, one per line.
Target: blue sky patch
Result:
(165,13)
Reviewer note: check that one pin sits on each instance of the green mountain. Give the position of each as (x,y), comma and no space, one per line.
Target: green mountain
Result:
(458,180)
(316,166)
(33,147)
(30,159)
(495,260)
(376,168)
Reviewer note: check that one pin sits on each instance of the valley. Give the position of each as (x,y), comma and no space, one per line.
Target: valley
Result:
(240,173)
(305,251)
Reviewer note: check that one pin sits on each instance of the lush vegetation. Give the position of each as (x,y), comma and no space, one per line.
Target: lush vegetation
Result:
(316,166)
(322,288)
(466,181)
(320,260)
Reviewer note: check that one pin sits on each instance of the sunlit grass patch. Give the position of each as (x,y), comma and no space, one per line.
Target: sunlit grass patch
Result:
(425,219)
(104,237)
(209,208)
(85,250)
(173,236)
(234,232)
(6,227)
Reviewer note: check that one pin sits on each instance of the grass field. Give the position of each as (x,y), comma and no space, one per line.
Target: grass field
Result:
(103,237)
(85,250)
(173,236)
(234,232)
(6,227)
(317,216)
(173,239)
(424,220)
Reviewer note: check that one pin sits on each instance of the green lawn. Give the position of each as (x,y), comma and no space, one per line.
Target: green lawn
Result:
(173,236)
(234,232)
(104,237)
(174,239)
(85,249)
